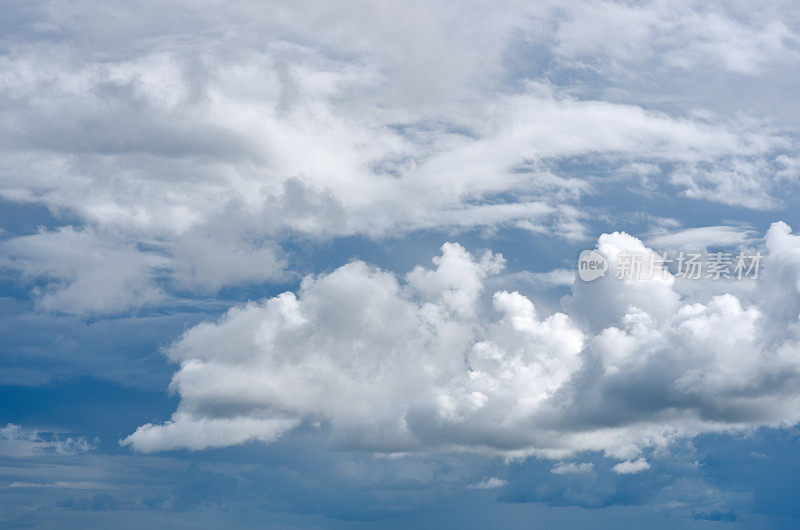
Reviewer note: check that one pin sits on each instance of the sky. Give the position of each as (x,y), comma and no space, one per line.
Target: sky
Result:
(318,265)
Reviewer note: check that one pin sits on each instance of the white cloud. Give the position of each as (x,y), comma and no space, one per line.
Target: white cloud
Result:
(700,239)
(554,278)
(737,182)
(89,272)
(234,131)
(678,35)
(85,273)
(391,366)
(19,442)
(191,432)
(569,468)
(607,301)
(489,483)
(426,364)
(630,467)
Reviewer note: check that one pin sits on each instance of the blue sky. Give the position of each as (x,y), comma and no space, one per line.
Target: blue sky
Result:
(298,265)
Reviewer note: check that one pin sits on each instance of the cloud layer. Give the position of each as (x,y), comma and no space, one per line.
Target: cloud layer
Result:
(432,362)
(201,151)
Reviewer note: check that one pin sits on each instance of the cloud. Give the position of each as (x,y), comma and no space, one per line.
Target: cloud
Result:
(87,272)
(237,141)
(84,272)
(59,485)
(18,442)
(189,431)
(390,365)
(737,182)
(489,483)
(630,467)
(430,362)
(700,239)
(182,149)
(568,468)
(676,36)
(554,278)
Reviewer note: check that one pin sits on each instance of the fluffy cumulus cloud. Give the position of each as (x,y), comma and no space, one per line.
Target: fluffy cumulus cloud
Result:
(236,129)
(390,365)
(433,362)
